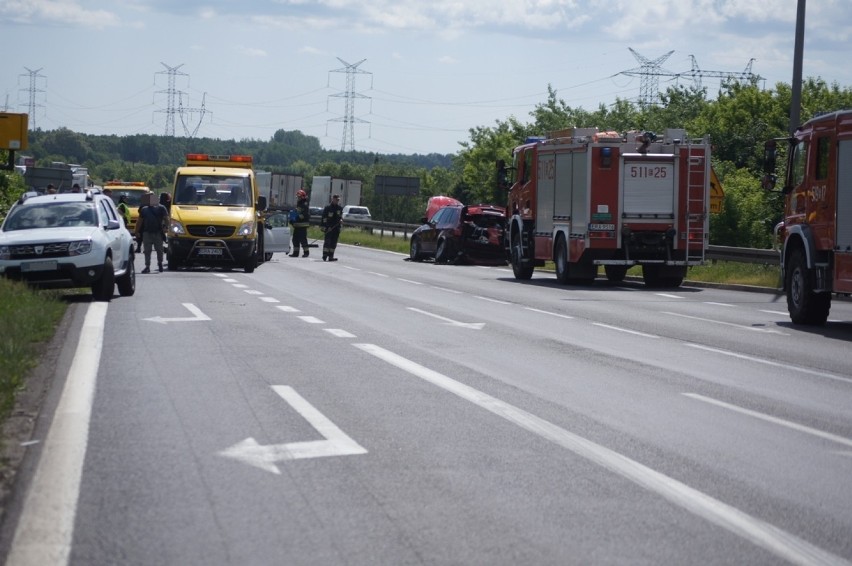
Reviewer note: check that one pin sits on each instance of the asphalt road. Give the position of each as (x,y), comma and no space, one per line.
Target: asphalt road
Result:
(378,411)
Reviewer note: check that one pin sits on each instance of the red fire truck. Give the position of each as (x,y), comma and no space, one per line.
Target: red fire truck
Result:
(816,256)
(583,198)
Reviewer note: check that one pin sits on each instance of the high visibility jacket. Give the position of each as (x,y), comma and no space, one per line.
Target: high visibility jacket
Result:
(125,212)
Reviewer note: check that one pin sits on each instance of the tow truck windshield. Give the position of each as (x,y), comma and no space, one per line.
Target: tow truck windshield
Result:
(213,190)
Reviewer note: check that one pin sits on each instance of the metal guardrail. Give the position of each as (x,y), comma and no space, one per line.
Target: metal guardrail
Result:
(743,255)
(714,253)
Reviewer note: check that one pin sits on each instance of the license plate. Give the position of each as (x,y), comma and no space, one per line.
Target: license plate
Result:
(48,265)
(209,251)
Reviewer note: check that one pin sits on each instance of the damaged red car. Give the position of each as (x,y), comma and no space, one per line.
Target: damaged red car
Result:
(462,234)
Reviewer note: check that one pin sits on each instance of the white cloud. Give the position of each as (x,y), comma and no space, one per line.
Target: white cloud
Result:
(57,12)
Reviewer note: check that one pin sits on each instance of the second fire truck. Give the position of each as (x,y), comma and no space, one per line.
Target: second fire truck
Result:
(816,257)
(584,199)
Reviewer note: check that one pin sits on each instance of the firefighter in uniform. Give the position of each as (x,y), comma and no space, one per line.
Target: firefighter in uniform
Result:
(332,219)
(300,225)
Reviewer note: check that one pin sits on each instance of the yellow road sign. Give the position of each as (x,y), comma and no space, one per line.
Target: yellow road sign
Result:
(717,195)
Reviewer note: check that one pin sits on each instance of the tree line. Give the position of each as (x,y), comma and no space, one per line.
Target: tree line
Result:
(738,120)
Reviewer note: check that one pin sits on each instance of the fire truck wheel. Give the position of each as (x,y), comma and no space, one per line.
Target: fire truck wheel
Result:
(521,270)
(560,259)
(805,306)
(615,273)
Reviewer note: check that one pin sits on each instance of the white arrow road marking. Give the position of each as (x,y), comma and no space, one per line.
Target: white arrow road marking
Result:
(199,316)
(336,442)
(473,325)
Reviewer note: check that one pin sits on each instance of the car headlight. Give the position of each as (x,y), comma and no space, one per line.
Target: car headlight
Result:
(5,252)
(80,247)
(246,229)
(176,228)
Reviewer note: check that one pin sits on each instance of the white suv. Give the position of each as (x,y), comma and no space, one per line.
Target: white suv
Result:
(68,240)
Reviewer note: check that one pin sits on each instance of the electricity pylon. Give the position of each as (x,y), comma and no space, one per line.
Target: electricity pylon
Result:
(349,118)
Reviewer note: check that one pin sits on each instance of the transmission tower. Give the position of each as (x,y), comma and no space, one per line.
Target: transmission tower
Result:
(349,118)
(649,73)
(31,90)
(171,93)
(189,111)
(697,74)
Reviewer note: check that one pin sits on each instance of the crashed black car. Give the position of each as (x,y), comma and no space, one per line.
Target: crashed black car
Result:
(459,234)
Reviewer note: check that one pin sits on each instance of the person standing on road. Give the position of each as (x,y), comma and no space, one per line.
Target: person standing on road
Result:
(151,225)
(332,220)
(166,200)
(300,224)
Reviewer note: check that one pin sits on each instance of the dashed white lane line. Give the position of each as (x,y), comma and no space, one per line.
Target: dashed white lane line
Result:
(339,332)
(269,300)
(490,300)
(755,359)
(668,296)
(252,292)
(240,286)
(771,419)
(628,331)
(785,545)
(287,309)
(556,314)
(409,281)
(740,326)
(453,291)
(717,304)
(311,320)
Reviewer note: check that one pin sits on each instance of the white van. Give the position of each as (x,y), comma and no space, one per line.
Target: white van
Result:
(351,212)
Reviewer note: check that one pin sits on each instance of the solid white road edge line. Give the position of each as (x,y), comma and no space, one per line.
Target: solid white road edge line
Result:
(783,544)
(46,526)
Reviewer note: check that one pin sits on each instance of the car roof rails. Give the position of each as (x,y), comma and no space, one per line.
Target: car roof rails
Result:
(26,195)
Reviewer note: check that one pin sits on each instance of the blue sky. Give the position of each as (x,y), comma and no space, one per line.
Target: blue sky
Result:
(427,71)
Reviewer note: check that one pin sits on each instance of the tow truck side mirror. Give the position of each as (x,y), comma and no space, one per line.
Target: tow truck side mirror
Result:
(261,203)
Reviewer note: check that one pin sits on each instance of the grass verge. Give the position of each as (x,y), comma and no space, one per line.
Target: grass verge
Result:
(28,318)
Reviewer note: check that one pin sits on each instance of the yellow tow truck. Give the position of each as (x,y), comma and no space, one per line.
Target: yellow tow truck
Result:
(216,214)
(134,191)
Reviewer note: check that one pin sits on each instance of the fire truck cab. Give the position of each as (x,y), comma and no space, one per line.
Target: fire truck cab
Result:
(816,254)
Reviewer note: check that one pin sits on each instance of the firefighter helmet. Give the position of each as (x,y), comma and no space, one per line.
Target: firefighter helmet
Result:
(300,194)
